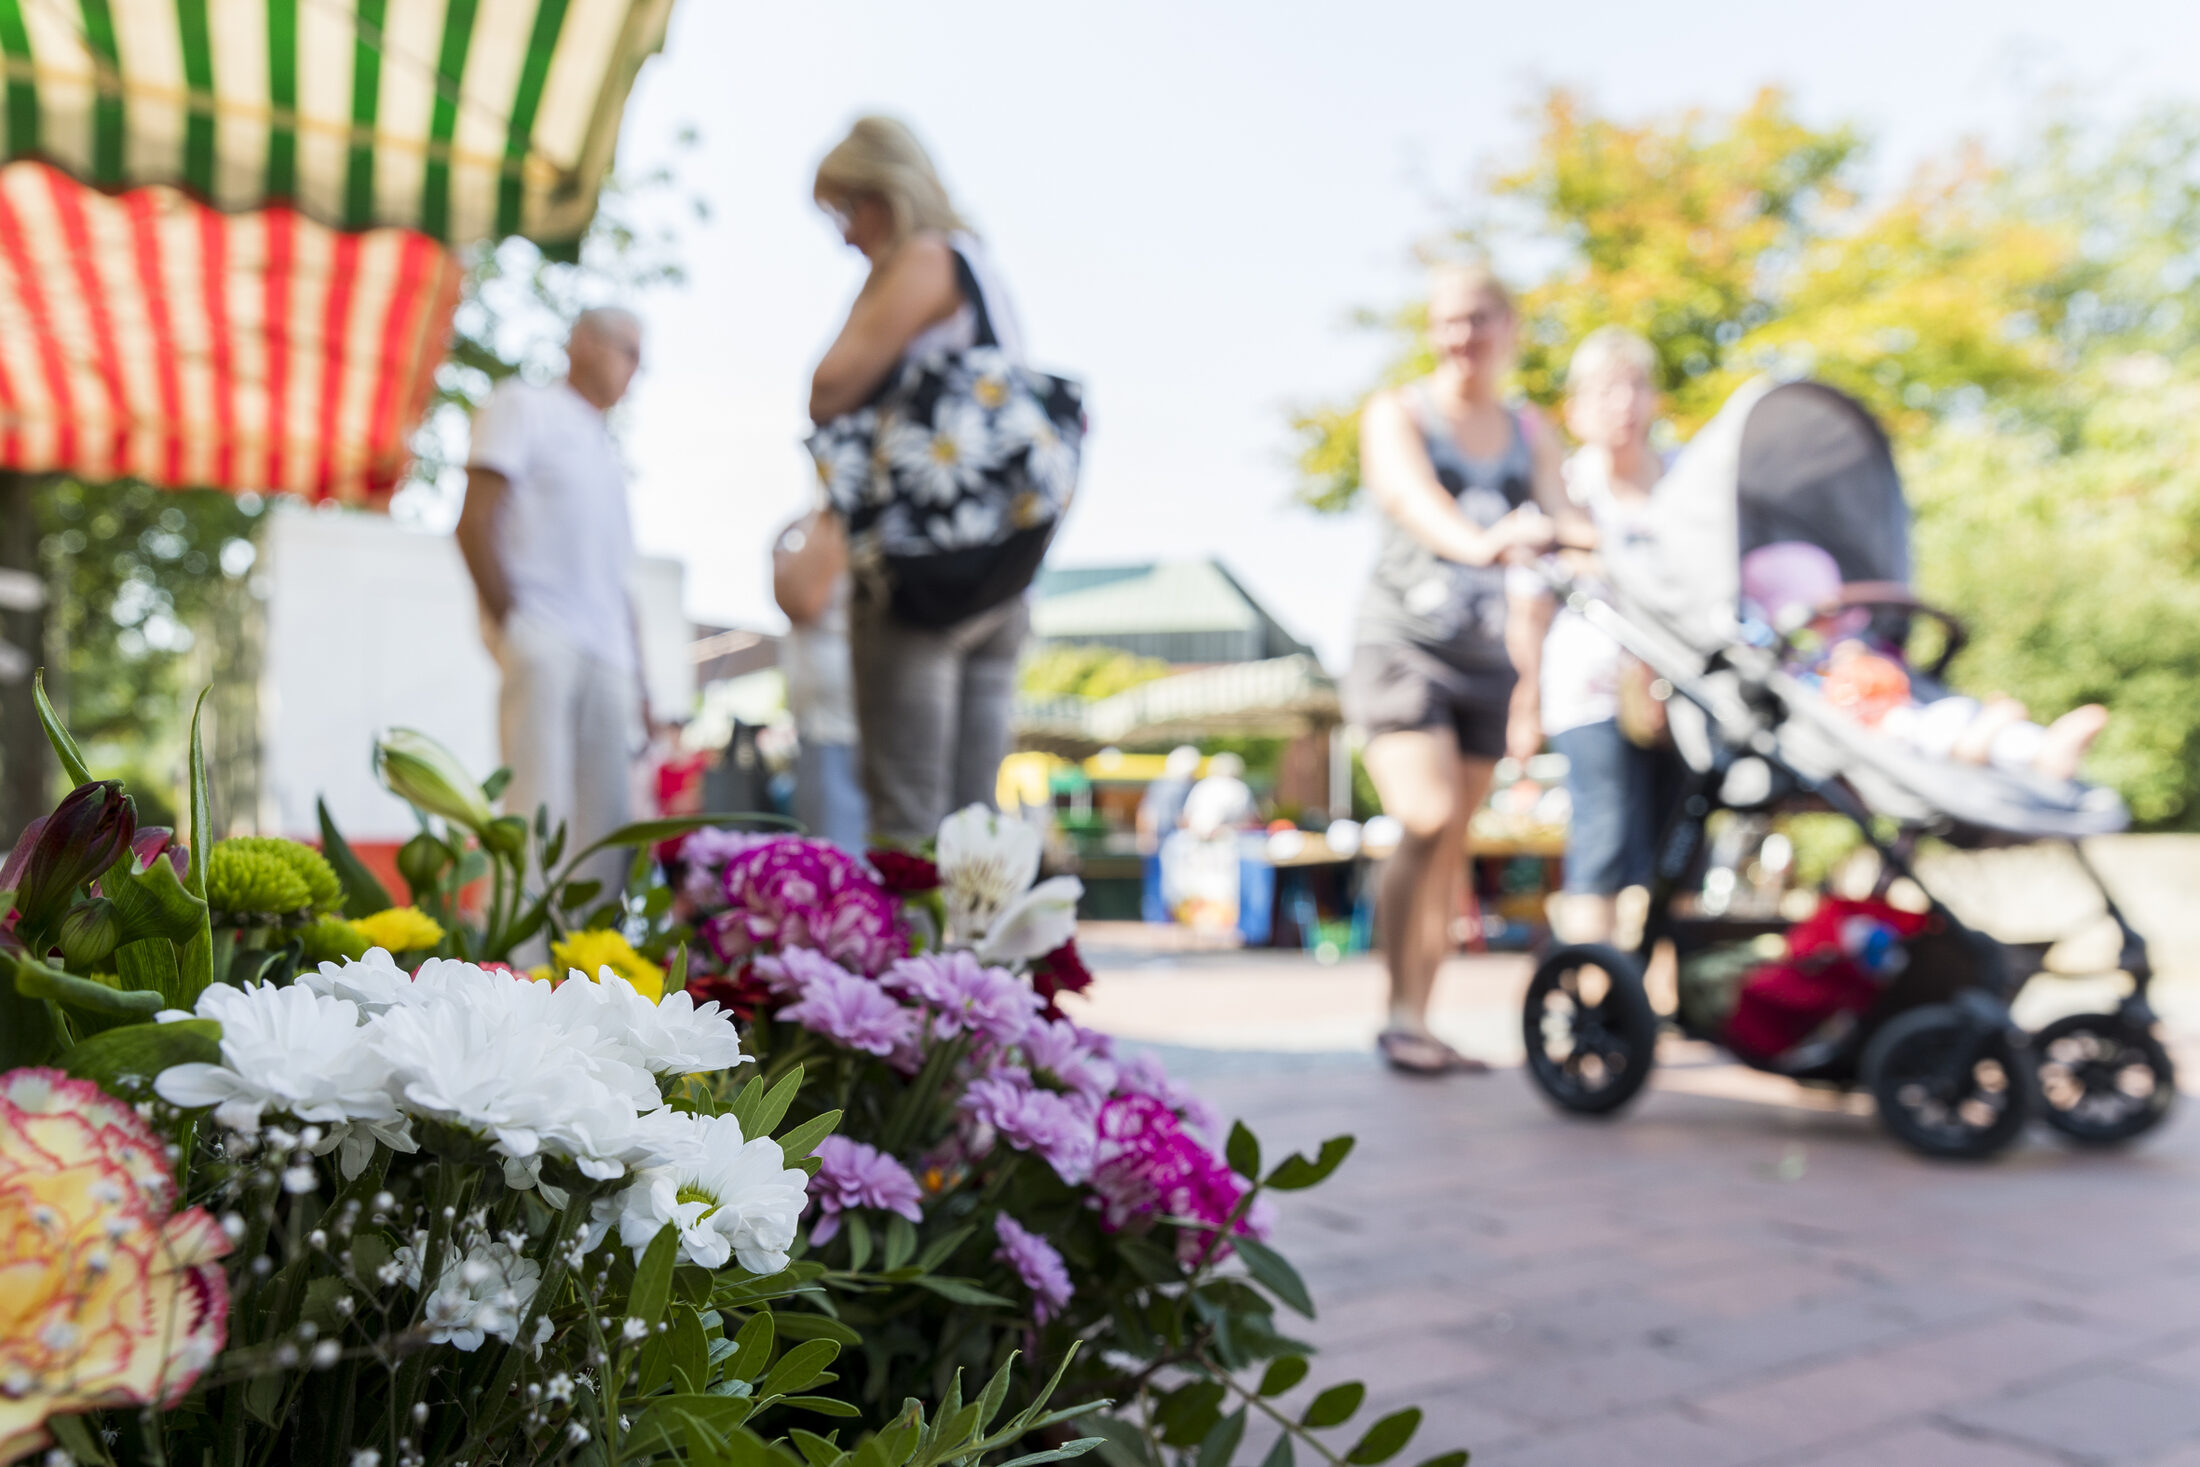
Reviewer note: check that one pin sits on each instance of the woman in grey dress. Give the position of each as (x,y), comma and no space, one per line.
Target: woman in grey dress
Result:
(1466,485)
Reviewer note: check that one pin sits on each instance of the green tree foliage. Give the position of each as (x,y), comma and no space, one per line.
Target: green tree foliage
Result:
(1086,670)
(2027,326)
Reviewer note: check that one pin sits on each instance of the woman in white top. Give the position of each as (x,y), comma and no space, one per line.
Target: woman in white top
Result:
(1570,678)
(932,704)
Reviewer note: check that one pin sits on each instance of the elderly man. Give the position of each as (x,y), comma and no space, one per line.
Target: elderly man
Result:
(546,539)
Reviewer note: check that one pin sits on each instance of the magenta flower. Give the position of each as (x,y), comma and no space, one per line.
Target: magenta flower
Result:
(1077,1058)
(1146,1165)
(855,1013)
(1037,1263)
(852,1175)
(965,996)
(1056,1128)
(1143,1074)
(794,893)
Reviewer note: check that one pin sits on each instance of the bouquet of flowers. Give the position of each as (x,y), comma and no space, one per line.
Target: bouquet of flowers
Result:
(380,1212)
(999,1176)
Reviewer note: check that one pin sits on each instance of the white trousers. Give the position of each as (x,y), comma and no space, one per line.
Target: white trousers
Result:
(570,724)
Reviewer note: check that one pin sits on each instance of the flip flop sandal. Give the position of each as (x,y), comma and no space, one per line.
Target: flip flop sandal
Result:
(1424,1055)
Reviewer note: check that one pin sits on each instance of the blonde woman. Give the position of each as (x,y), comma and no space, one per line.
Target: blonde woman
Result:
(1620,790)
(932,703)
(1466,484)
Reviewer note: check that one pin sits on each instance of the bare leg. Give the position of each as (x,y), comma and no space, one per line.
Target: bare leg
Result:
(1977,741)
(2067,738)
(1580,916)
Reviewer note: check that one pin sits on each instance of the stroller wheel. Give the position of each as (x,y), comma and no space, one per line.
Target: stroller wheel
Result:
(1948,1083)
(1591,1033)
(2101,1079)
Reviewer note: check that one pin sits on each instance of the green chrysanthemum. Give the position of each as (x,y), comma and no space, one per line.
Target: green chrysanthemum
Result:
(266,875)
(333,940)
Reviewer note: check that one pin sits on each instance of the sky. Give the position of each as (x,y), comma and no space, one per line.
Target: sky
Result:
(1189,200)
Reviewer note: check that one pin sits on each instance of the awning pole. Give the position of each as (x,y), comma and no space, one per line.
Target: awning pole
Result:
(25,761)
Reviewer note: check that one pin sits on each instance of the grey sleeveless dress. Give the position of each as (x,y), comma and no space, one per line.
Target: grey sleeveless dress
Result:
(1430,634)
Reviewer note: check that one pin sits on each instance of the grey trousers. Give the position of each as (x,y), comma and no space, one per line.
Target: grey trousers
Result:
(933,708)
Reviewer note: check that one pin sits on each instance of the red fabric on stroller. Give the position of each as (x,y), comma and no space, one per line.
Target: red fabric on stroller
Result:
(1781,1004)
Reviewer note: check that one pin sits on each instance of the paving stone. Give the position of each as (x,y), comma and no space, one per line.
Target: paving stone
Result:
(1927,1446)
(2113,1415)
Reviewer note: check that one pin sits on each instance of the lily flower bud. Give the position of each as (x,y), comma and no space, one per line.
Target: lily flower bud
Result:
(88,832)
(424,774)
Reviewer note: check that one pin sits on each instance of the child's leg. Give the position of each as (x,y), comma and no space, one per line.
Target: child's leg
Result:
(1976,745)
(2063,743)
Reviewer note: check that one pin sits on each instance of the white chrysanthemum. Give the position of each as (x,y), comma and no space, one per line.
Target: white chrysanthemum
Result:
(499,1068)
(1035,924)
(295,1051)
(670,1037)
(373,982)
(729,1197)
(482,1295)
(985,863)
(940,459)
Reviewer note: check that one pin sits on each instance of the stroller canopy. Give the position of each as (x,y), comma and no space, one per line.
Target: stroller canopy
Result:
(1781,461)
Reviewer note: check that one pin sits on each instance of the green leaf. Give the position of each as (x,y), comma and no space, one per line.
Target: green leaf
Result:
(959,1291)
(151,963)
(901,1241)
(364,893)
(34,979)
(798,1369)
(995,1394)
(760,1111)
(820,1405)
(805,1138)
(152,902)
(1062,1453)
(1297,1173)
(1186,1414)
(817,1450)
(818,1327)
(859,1242)
(64,747)
(652,1289)
(1448,1459)
(1279,1455)
(892,1446)
(142,1051)
(1283,1374)
(942,1248)
(1243,1152)
(752,1347)
(649,832)
(28,1035)
(195,960)
(1122,1444)
(577,894)
(1334,1406)
(654,1431)
(1275,1274)
(676,976)
(495,784)
(1386,1438)
(1221,1444)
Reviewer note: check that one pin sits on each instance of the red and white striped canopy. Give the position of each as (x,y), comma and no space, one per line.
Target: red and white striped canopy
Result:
(151,337)
(227,228)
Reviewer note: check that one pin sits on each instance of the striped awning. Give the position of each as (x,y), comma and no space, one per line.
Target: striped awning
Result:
(227,227)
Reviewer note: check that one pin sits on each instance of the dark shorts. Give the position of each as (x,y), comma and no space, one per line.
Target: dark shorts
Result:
(1393,689)
(1620,796)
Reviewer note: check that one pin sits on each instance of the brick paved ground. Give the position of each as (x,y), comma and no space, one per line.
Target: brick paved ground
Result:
(1730,1274)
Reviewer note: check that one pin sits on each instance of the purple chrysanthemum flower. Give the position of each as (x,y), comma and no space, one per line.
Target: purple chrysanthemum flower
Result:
(794,893)
(1057,1128)
(965,996)
(852,1175)
(1037,1263)
(853,1012)
(1077,1058)
(1147,1165)
(1143,1074)
(789,974)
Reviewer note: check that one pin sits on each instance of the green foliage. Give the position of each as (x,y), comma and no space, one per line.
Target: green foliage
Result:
(1085,670)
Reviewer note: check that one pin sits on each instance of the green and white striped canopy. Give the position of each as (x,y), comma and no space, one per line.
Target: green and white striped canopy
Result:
(461,119)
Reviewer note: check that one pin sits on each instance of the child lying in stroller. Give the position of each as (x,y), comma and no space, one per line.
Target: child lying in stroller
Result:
(1790,596)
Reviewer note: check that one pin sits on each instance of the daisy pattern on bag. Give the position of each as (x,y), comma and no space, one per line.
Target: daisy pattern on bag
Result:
(844,460)
(986,376)
(974,521)
(940,462)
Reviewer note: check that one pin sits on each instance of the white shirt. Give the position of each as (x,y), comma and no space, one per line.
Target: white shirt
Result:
(563,537)
(1581,665)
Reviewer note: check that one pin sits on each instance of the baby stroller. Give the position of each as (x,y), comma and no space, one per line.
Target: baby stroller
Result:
(1951,1071)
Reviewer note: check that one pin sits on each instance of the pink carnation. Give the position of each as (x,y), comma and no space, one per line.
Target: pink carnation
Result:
(851,1175)
(797,893)
(966,997)
(854,1012)
(1037,1263)
(1147,1165)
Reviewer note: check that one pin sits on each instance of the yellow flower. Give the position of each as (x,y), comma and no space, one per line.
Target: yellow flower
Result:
(586,953)
(106,1297)
(400,929)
